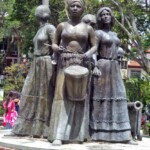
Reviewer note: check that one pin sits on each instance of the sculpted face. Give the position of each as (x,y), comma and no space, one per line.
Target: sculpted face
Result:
(105,16)
(90,20)
(75,9)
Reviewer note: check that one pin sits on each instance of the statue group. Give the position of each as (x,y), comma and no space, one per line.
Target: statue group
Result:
(87,99)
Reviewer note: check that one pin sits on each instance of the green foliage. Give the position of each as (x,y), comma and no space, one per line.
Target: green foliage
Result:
(129,7)
(138,89)
(20,17)
(24,13)
(5,10)
(146,41)
(58,12)
(16,74)
(91,6)
(23,9)
(1,109)
(1,65)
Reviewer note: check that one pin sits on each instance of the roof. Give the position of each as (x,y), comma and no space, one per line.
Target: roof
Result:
(147,51)
(133,64)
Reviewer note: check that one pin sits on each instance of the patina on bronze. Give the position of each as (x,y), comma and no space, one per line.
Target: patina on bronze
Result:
(69,119)
(135,116)
(90,20)
(76,82)
(109,120)
(37,92)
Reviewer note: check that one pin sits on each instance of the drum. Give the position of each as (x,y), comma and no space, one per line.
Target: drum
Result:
(76,82)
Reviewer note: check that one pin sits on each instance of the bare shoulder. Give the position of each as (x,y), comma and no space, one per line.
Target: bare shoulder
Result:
(50,27)
(99,33)
(90,29)
(61,25)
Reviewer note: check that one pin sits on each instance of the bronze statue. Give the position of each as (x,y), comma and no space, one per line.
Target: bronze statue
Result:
(109,120)
(90,20)
(37,92)
(69,119)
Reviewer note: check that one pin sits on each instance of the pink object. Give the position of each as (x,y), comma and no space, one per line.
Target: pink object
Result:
(11,115)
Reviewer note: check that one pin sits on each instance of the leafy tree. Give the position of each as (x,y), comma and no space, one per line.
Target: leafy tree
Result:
(58,11)
(138,89)
(146,41)
(133,22)
(6,27)
(131,16)
(1,109)
(23,11)
(16,74)
(91,6)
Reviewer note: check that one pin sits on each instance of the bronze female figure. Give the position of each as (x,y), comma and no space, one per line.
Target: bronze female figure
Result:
(69,120)
(109,119)
(37,92)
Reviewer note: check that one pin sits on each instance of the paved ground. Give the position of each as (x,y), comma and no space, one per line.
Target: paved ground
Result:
(27,143)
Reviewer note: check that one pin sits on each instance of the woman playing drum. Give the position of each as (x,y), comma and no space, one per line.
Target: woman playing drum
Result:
(69,118)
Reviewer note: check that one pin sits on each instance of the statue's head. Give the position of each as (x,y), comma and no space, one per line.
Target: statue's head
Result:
(42,12)
(75,7)
(100,17)
(90,20)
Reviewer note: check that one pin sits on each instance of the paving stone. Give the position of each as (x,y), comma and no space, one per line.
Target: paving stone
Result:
(28,143)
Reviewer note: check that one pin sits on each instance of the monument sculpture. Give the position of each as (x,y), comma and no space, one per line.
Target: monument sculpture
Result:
(73,112)
(109,120)
(69,119)
(37,92)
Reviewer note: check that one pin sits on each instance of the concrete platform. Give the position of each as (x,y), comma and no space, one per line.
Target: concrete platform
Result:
(27,143)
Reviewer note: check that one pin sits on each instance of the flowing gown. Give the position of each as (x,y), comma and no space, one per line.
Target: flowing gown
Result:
(69,119)
(38,89)
(109,120)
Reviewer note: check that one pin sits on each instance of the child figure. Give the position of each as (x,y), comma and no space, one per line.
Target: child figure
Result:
(10,114)
(17,101)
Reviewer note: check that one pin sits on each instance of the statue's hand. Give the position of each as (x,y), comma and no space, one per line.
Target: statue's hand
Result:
(86,55)
(55,47)
(61,49)
(96,71)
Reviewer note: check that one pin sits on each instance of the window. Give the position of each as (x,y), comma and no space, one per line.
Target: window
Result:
(135,73)
(123,64)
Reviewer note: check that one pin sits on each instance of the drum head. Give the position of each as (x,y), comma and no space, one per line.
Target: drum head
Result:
(76,70)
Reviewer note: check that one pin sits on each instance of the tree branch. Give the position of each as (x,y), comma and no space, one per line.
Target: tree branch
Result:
(122,26)
(120,10)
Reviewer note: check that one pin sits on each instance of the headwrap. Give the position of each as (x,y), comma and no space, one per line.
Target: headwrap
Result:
(89,17)
(69,2)
(42,10)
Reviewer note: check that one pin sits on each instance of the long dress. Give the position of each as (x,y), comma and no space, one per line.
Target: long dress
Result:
(69,119)
(38,89)
(109,120)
